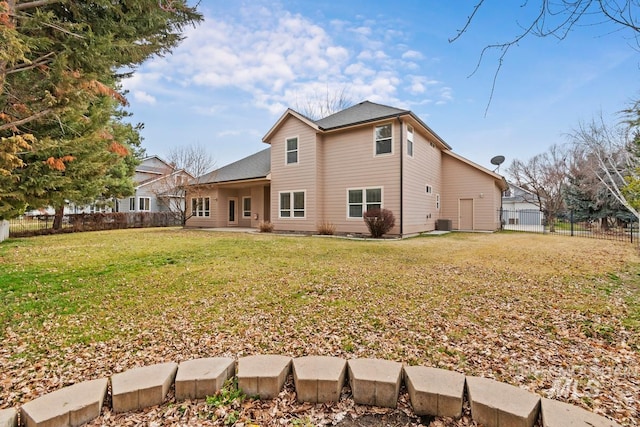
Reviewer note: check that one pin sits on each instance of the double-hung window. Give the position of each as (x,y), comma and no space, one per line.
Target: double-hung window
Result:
(384,143)
(144,203)
(292,150)
(292,204)
(410,141)
(360,200)
(246,207)
(132,204)
(200,206)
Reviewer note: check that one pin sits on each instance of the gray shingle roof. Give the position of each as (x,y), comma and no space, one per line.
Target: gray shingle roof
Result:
(360,113)
(257,165)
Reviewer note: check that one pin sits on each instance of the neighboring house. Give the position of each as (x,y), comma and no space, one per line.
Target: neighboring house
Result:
(519,207)
(158,188)
(332,170)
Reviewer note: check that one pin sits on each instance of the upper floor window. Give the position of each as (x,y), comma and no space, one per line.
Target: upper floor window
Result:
(384,143)
(200,206)
(410,141)
(144,204)
(292,150)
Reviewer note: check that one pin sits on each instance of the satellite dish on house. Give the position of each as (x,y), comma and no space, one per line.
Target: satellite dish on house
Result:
(497,160)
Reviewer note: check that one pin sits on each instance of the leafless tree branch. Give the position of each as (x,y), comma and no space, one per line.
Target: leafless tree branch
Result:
(557,19)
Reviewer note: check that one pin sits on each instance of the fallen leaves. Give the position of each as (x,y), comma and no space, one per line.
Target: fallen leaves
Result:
(502,306)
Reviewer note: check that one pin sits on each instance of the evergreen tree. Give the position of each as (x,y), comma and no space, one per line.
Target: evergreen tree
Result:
(60,64)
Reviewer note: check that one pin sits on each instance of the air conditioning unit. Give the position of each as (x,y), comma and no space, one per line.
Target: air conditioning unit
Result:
(443,225)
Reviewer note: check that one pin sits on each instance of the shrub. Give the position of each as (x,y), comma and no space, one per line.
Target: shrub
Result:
(265,227)
(379,222)
(326,228)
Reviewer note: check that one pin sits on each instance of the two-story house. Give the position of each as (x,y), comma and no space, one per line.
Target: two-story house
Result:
(332,170)
(159,187)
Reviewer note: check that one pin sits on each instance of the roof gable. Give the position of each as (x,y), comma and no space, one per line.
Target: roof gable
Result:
(167,177)
(363,112)
(499,179)
(288,114)
(257,165)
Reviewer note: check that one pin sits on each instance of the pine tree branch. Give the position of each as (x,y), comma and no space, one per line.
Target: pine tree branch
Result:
(26,119)
(35,3)
(44,59)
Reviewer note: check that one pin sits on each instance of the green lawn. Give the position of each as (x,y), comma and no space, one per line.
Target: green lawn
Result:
(539,311)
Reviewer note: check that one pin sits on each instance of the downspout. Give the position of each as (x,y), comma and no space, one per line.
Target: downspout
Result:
(401,176)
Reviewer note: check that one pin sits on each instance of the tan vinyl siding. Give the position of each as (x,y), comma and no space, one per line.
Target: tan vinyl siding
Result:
(301,176)
(462,181)
(349,163)
(220,194)
(424,168)
(202,221)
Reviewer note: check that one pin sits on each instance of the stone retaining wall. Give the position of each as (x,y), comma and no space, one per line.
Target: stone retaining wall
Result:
(317,379)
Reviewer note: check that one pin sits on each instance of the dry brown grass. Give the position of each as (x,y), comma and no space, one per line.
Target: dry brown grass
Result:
(555,315)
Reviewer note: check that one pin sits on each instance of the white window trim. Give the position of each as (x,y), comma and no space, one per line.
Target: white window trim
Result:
(428,188)
(244,213)
(412,140)
(286,151)
(142,205)
(375,140)
(291,205)
(205,213)
(364,200)
(132,204)
(437,201)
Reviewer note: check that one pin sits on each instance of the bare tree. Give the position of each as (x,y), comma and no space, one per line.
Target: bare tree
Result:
(190,163)
(545,176)
(610,156)
(318,105)
(557,18)
(193,158)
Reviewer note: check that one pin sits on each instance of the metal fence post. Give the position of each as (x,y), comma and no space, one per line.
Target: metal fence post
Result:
(571,219)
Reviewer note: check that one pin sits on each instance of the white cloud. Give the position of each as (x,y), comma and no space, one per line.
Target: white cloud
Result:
(143,97)
(446,95)
(359,69)
(276,57)
(363,31)
(412,54)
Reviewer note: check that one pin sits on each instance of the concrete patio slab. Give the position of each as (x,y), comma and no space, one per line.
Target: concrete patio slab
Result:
(70,406)
(559,414)
(375,381)
(435,391)
(142,387)
(199,378)
(495,404)
(263,375)
(319,379)
(8,417)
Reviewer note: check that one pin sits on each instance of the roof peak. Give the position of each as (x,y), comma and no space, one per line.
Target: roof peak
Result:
(361,112)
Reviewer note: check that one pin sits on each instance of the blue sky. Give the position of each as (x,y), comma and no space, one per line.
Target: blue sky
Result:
(237,72)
